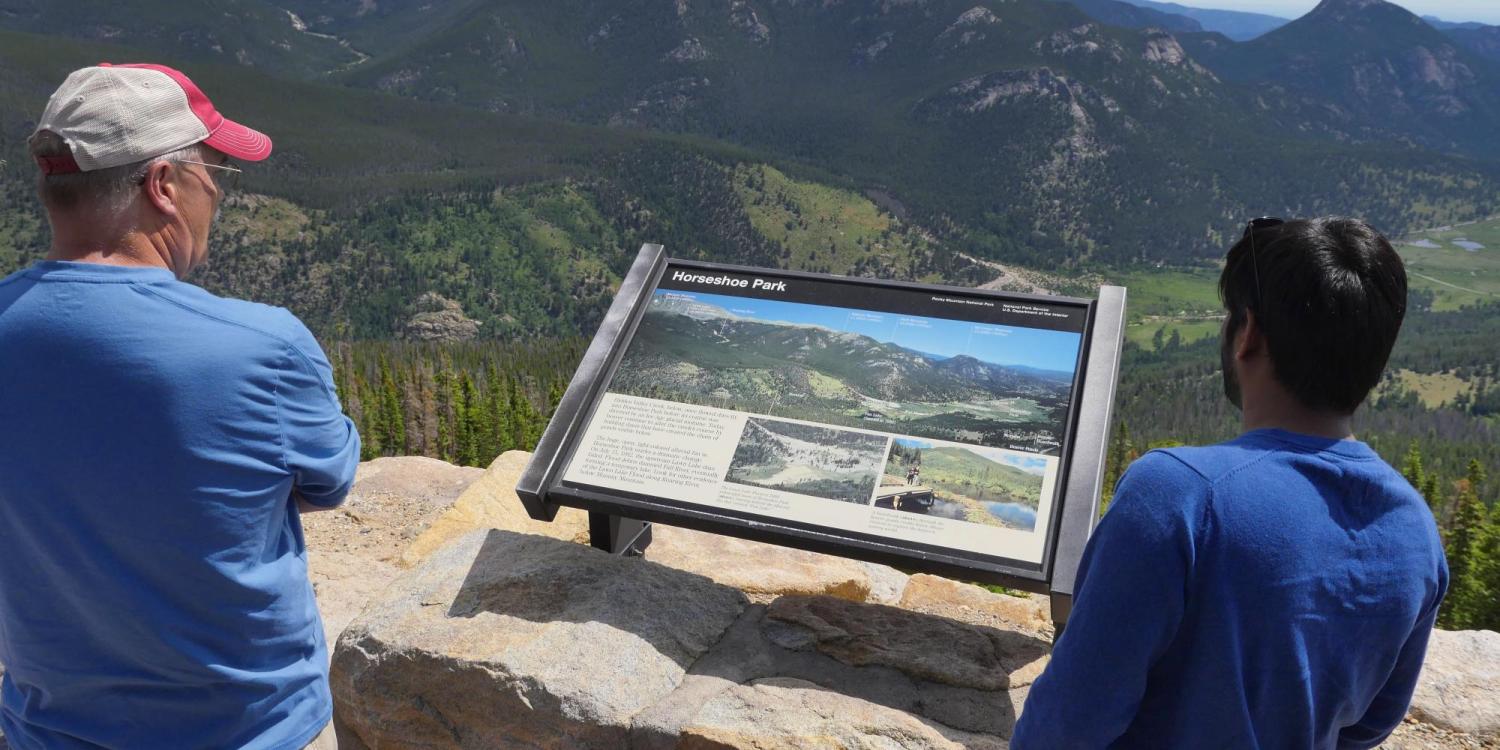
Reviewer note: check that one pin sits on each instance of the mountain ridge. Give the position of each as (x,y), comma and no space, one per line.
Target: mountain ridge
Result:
(1020,132)
(1236,25)
(1373,67)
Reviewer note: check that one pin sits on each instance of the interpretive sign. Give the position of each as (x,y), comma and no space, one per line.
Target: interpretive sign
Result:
(955,431)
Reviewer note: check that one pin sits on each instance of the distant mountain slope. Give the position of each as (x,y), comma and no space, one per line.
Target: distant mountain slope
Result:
(1020,124)
(1130,16)
(1018,131)
(1441,25)
(1480,39)
(253,33)
(331,142)
(1237,25)
(1374,67)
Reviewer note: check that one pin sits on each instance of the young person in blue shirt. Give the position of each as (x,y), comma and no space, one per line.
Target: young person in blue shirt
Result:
(158,445)
(1277,590)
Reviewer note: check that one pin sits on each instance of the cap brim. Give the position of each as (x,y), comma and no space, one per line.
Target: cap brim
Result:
(240,142)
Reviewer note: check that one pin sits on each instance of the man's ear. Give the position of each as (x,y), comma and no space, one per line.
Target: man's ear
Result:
(1249,342)
(161,188)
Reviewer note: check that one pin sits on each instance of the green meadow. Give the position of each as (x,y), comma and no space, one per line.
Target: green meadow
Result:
(1460,264)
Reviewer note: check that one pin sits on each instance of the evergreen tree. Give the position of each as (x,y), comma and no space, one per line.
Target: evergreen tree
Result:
(443,412)
(1412,468)
(1484,596)
(554,397)
(521,416)
(1432,492)
(1464,548)
(370,421)
(496,414)
(392,420)
(1114,464)
(471,429)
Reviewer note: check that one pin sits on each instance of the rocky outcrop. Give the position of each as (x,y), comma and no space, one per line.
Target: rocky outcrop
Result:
(513,640)
(437,318)
(490,502)
(505,632)
(743,17)
(355,550)
(969,27)
(1460,685)
(747,566)
(502,639)
(784,713)
(690,50)
(664,103)
(511,633)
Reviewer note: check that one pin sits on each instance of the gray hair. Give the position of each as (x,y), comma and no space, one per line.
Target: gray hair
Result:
(109,191)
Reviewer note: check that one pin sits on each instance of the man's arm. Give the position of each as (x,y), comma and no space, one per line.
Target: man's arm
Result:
(303,506)
(1128,603)
(321,445)
(1390,705)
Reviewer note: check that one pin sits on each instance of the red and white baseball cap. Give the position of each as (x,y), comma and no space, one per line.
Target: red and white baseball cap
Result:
(112,115)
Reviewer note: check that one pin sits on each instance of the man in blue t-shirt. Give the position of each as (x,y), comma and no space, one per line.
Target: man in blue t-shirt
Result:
(1277,590)
(158,445)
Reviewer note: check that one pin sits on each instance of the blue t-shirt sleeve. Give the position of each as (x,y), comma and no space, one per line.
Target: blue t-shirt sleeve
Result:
(320,444)
(1128,602)
(1390,705)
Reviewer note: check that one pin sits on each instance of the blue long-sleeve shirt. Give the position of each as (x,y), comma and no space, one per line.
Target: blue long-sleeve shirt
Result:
(153,576)
(1275,591)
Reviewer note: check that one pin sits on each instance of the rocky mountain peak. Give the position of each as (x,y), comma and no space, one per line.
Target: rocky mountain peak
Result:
(1360,11)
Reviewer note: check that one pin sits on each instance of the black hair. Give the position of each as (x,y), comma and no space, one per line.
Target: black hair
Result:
(1328,295)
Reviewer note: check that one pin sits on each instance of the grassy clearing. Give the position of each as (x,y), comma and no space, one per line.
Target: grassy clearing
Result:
(1185,301)
(1457,276)
(1172,293)
(1434,389)
(824,228)
(1143,332)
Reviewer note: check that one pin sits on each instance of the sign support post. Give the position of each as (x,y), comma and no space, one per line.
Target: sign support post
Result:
(1090,447)
(625,537)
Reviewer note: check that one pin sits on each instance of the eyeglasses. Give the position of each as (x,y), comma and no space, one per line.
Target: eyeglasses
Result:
(230,174)
(1264,222)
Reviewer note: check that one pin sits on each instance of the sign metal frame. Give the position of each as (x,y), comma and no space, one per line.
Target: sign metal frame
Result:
(620,521)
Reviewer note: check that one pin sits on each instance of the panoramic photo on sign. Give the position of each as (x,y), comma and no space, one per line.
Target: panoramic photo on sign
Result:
(927,417)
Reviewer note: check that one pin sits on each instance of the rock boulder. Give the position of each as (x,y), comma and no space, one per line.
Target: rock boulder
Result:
(512,633)
(354,550)
(491,503)
(512,640)
(1460,685)
(768,570)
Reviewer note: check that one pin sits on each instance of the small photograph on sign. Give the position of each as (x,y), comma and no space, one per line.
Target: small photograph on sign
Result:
(808,460)
(968,483)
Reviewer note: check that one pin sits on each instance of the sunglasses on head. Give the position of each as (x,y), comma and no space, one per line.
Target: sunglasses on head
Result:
(1264,222)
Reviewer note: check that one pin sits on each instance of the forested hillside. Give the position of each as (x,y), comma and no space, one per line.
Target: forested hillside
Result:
(1019,132)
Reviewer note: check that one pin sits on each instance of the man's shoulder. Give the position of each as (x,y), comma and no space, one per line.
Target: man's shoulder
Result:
(1208,463)
(1191,466)
(274,325)
(1177,479)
